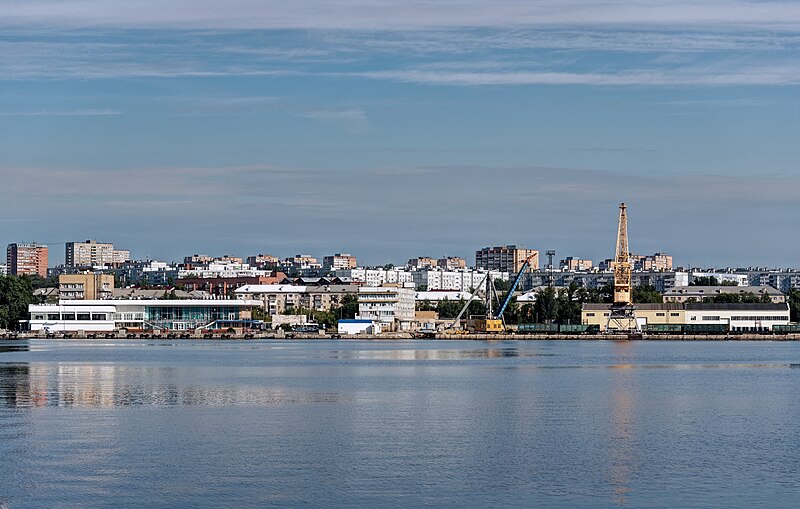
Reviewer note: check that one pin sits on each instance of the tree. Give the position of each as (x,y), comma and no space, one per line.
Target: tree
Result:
(16,293)
(646,295)
(705,281)
(794,304)
(546,307)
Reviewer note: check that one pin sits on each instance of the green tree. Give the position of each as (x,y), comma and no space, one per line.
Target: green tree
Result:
(546,307)
(647,295)
(794,304)
(16,293)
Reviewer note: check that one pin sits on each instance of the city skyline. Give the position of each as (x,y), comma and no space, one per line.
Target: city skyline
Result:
(395,129)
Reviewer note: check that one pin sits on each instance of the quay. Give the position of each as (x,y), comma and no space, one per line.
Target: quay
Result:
(282,335)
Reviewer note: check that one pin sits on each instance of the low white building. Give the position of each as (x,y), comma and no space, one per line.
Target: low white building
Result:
(724,277)
(357,326)
(740,317)
(110,315)
(390,305)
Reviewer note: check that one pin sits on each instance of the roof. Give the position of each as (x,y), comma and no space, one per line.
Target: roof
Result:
(351,320)
(711,290)
(643,307)
(759,306)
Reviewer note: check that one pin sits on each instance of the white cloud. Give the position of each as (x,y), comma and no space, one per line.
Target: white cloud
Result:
(392,14)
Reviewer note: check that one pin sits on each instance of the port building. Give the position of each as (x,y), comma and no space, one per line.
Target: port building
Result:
(111,315)
(755,317)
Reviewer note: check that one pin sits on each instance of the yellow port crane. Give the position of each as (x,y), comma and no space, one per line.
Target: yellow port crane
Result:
(622,317)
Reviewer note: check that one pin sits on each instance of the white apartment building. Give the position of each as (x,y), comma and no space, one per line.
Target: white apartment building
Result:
(390,305)
(454,280)
(724,277)
(376,277)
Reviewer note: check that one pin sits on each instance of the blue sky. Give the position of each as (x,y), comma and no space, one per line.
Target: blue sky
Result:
(395,129)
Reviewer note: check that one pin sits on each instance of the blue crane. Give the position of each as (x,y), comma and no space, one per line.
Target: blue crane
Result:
(510,293)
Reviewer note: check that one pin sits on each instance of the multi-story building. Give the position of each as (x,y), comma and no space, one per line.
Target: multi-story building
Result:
(3,270)
(277,298)
(392,305)
(723,277)
(94,254)
(375,277)
(86,286)
(302,261)
(454,280)
(505,258)
(705,293)
(27,258)
(422,262)
(572,263)
(660,281)
(339,261)
(658,261)
(451,263)
(146,272)
(263,260)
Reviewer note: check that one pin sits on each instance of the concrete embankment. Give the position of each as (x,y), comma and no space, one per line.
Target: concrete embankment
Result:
(400,336)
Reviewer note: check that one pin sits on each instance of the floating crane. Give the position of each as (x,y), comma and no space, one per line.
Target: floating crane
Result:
(622,317)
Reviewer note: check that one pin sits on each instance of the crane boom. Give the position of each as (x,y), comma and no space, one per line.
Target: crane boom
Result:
(513,287)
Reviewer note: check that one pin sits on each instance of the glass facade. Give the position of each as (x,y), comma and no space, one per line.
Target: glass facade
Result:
(188,317)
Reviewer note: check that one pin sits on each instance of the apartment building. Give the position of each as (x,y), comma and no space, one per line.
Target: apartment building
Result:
(505,258)
(339,261)
(87,286)
(27,258)
(94,254)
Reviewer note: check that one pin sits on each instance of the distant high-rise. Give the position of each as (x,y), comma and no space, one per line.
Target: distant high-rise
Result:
(28,258)
(341,261)
(505,258)
(94,254)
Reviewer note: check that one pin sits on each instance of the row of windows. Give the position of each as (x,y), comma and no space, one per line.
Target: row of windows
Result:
(85,317)
(757,318)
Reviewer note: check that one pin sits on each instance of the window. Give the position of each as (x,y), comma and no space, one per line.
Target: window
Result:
(67,316)
(83,316)
(98,316)
(589,314)
(711,318)
(661,314)
(674,314)
(53,316)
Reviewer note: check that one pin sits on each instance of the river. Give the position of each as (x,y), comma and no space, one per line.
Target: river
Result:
(184,423)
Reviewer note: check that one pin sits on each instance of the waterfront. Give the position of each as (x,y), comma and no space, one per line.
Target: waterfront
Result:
(118,423)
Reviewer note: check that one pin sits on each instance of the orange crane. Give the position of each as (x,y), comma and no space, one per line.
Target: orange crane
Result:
(622,317)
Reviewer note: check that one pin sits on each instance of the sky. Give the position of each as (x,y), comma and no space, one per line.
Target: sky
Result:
(395,129)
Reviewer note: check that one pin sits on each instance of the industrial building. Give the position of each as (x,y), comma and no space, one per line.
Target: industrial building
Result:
(737,317)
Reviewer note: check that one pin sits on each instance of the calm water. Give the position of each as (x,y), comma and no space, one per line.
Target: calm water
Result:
(385,424)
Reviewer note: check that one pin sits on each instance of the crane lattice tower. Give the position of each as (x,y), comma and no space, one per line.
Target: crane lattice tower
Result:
(623,314)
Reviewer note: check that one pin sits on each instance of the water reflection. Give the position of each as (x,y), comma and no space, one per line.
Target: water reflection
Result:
(64,385)
(13,346)
(622,426)
(435,354)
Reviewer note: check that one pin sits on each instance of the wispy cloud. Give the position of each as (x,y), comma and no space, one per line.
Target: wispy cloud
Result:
(64,113)
(392,14)
(354,118)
